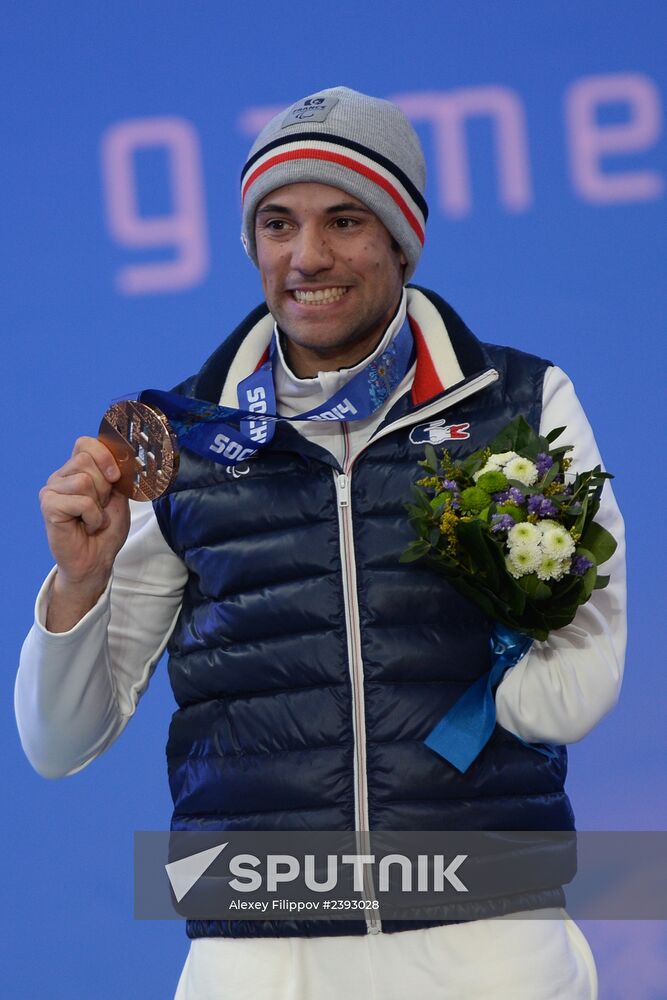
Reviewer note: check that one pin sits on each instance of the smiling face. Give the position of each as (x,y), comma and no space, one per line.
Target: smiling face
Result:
(331,272)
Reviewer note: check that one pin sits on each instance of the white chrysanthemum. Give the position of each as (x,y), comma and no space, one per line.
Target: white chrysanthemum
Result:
(503,457)
(523,560)
(489,467)
(552,568)
(524,534)
(558,542)
(522,469)
(548,525)
(496,463)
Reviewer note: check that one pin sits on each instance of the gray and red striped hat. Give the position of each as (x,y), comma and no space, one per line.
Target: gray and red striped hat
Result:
(362,145)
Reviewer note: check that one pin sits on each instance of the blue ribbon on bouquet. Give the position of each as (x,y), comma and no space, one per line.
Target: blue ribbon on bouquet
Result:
(466,728)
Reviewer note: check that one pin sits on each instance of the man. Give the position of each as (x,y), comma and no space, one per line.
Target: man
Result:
(309,665)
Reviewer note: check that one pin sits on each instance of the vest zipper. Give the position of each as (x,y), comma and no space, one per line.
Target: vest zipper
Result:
(342,482)
(343,488)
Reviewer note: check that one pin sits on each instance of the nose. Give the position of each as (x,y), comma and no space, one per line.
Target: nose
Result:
(311,251)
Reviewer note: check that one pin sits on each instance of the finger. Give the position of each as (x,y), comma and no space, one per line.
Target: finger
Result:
(81,484)
(95,459)
(81,474)
(100,454)
(59,510)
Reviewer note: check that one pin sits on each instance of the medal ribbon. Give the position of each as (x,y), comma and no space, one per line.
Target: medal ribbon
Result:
(209,431)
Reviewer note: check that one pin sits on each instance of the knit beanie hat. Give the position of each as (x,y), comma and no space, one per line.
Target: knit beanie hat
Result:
(362,145)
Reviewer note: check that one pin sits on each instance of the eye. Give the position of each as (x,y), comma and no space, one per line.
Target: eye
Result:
(345,222)
(276,225)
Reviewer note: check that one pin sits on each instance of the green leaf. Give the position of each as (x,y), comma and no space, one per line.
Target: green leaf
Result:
(519,485)
(564,590)
(513,595)
(555,433)
(590,576)
(416,550)
(482,598)
(431,458)
(551,474)
(588,579)
(414,511)
(581,519)
(470,465)
(599,541)
(517,436)
(601,582)
(535,587)
(559,618)
(471,537)
(422,501)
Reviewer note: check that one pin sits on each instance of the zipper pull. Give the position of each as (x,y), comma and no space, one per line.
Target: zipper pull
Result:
(342,485)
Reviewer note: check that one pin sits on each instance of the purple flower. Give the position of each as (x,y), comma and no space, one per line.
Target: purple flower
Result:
(451,485)
(541,506)
(543,463)
(502,522)
(512,495)
(579,565)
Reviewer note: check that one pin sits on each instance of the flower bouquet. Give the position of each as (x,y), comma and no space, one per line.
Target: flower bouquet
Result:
(514,532)
(511,530)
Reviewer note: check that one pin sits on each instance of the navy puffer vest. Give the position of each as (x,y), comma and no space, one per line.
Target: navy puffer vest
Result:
(308,664)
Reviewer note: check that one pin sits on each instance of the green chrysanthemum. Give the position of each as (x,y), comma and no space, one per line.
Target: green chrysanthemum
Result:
(474,499)
(493,481)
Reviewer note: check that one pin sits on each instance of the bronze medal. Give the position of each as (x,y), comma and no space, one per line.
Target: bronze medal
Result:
(145,447)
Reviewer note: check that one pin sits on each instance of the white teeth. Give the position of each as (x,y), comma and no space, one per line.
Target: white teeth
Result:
(320,296)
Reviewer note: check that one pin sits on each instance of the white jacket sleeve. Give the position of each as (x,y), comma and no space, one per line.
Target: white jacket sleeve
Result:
(76,691)
(562,688)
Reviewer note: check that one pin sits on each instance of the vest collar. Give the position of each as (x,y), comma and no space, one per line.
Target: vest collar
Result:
(446,351)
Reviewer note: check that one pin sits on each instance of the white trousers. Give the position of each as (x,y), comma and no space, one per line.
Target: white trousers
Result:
(504,958)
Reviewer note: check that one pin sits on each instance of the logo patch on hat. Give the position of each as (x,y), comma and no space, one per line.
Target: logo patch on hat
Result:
(438,431)
(311,109)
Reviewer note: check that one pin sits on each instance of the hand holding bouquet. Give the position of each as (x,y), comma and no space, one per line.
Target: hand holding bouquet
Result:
(513,531)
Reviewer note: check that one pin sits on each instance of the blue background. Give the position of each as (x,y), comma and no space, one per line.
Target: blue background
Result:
(579,282)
